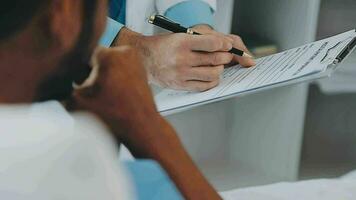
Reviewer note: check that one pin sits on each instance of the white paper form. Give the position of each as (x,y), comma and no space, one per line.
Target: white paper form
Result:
(292,64)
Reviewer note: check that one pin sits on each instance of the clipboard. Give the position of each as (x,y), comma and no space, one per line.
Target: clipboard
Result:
(331,67)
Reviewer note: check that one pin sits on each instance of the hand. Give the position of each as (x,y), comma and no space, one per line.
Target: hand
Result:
(237,43)
(122,98)
(120,95)
(181,61)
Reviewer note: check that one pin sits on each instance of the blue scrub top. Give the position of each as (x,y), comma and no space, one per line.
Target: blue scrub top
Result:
(188,13)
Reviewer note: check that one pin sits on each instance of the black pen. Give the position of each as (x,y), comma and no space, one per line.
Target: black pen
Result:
(165,23)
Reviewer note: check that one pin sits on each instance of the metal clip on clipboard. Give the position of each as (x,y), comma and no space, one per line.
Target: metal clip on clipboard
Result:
(340,57)
(346,51)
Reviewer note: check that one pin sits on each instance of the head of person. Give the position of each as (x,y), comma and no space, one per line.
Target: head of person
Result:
(45,45)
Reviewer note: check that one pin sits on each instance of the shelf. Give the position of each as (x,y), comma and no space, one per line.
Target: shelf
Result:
(227,175)
(336,16)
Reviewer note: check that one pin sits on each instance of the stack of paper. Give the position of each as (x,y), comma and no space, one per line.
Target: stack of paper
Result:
(303,63)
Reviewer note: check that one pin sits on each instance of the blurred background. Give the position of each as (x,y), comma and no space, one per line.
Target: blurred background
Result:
(285,134)
(329,147)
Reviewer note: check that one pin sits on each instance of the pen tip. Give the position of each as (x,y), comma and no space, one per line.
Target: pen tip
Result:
(247,55)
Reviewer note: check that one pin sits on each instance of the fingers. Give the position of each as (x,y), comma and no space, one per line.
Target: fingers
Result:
(208,73)
(216,45)
(209,43)
(199,86)
(210,59)
(201,79)
(242,60)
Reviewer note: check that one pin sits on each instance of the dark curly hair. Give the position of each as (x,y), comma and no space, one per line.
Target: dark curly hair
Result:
(16,14)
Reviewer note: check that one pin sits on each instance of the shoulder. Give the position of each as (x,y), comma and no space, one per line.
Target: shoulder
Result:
(58,154)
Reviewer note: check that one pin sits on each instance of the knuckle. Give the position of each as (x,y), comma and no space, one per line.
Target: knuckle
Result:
(237,38)
(220,58)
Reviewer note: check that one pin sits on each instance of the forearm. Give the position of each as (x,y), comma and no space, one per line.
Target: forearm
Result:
(122,99)
(159,141)
(140,42)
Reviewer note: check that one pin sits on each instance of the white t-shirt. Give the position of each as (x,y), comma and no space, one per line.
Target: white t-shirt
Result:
(45,153)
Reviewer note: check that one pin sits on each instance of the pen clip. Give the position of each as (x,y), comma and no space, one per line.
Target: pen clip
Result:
(153,17)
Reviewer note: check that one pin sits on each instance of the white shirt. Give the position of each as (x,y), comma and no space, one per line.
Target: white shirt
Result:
(47,154)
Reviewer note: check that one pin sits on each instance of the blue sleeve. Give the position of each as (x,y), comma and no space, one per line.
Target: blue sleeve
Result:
(191,13)
(112,29)
(150,181)
(117,10)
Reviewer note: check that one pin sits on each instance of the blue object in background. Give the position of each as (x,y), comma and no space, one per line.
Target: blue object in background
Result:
(188,13)
(151,182)
(117,10)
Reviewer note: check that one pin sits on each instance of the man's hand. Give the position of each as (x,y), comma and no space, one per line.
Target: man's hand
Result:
(181,61)
(120,92)
(237,43)
(121,97)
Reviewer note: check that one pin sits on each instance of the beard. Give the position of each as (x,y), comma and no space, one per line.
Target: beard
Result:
(74,66)
(59,86)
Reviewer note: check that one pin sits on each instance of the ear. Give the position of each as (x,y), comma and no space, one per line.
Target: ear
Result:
(65,21)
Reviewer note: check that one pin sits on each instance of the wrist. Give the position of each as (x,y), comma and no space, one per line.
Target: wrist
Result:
(128,37)
(140,43)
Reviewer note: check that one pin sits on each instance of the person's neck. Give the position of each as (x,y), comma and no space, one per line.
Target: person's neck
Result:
(20,71)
